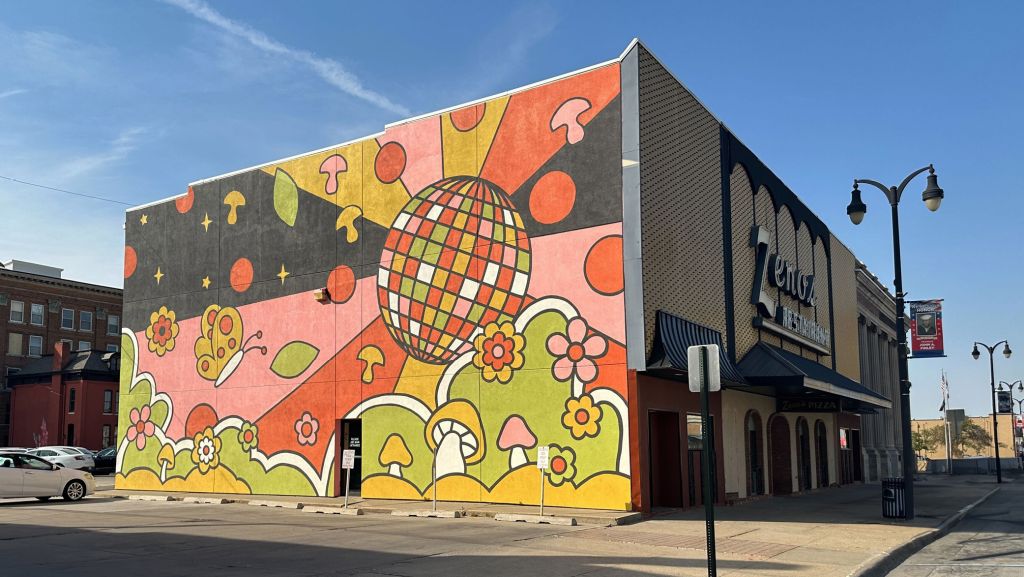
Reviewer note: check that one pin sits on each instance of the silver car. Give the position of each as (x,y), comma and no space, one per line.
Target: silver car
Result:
(69,457)
(24,475)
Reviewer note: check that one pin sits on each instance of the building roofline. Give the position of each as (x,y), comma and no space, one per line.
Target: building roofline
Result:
(62,282)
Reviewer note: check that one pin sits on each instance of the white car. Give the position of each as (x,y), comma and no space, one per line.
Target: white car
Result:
(69,457)
(24,475)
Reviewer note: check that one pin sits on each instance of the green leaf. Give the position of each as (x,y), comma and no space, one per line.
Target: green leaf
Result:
(286,197)
(293,359)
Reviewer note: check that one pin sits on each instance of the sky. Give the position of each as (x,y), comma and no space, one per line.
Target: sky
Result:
(131,101)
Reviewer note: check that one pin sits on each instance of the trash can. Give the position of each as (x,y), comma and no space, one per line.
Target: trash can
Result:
(894,504)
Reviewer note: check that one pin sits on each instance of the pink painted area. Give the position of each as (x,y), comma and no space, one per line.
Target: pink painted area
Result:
(557,270)
(253,388)
(422,143)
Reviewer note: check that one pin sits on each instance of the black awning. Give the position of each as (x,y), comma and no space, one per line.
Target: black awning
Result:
(673,335)
(766,365)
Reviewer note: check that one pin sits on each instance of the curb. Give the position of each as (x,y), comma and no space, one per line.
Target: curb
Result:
(331,510)
(428,513)
(275,504)
(536,519)
(883,564)
(206,500)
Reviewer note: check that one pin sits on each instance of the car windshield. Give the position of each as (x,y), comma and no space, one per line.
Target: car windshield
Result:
(68,452)
(83,451)
(106,452)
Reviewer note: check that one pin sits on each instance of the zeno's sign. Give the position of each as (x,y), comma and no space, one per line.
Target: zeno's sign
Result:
(783,275)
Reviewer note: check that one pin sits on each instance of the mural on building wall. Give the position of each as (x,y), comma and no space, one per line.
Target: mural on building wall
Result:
(473,309)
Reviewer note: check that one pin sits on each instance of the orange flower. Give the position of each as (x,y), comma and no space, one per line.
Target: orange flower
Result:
(498,352)
(581,417)
(161,331)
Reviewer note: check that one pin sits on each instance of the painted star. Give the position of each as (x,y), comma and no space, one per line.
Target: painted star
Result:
(144,219)
(206,222)
(282,274)
(159,275)
(206,282)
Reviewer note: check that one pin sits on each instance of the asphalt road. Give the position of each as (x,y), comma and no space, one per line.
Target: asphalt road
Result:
(989,542)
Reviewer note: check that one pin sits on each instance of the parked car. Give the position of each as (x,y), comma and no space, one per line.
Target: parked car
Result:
(105,460)
(24,475)
(12,450)
(67,456)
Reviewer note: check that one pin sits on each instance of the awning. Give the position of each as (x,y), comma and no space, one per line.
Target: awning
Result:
(790,373)
(673,335)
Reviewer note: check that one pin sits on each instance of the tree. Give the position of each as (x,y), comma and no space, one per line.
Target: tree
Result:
(928,439)
(973,437)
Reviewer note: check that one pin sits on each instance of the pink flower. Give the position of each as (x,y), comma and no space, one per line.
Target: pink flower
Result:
(306,427)
(140,427)
(575,352)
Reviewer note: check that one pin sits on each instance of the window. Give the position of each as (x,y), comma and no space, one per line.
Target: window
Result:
(17,312)
(12,371)
(67,319)
(35,346)
(85,321)
(108,402)
(31,462)
(113,324)
(106,436)
(14,345)
(112,348)
(71,434)
(37,315)
(84,346)
(71,401)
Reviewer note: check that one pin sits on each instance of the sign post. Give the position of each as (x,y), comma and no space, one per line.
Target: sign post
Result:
(348,462)
(705,377)
(542,464)
(433,473)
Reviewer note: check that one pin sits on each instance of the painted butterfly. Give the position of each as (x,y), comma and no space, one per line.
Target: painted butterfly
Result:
(220,348)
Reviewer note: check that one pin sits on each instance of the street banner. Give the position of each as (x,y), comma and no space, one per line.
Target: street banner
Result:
(926,328)
(1004,402)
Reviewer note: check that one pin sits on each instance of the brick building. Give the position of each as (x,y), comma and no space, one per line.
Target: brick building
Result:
(38,309)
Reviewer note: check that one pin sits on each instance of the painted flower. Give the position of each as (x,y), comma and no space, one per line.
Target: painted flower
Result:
(561,465)
(306,428)
(575,352)
(161,331)
(140,426)
(581,417)
(498,351)
(248,436)
(206,451)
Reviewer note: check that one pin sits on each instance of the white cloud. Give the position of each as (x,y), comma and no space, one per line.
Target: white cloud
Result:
(14,92)
(327,69)
(125,143)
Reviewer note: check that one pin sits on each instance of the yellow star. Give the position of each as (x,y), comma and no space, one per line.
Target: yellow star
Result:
(159,275)
(144,219)
(282,274)
(206,222)
(206,282)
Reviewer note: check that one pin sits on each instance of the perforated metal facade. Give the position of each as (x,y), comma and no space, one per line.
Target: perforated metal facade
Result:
(743,257)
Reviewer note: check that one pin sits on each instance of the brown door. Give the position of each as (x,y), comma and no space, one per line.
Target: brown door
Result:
(782,465)
(803,461)
(821,449)
(666,470)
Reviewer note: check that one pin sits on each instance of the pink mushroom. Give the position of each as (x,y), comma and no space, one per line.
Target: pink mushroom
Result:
(568,115)
(516,437)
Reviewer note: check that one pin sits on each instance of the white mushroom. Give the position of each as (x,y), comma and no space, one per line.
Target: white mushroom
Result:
(455,434)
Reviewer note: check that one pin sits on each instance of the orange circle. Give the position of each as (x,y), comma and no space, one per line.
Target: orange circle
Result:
(201,416)
(241,275)
(603,265)
(390,162)
(552,197)
(341,284)
(467,118)
(184,203)
(130,260)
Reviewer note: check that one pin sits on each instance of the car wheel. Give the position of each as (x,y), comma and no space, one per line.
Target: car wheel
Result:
(43,498)
(74,490)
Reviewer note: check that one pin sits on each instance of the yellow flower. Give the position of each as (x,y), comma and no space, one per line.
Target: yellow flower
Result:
(498,352)
(161,331)
(581,417)
(206,452)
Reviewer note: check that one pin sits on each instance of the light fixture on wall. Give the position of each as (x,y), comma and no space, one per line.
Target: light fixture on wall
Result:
(322,295)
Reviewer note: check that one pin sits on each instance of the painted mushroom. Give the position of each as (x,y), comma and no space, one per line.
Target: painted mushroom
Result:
(456,436)
(234,199)
(166,460)
(516,437)
(395,455)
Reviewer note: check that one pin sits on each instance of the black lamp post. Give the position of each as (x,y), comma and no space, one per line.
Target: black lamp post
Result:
(932,197)
(992,371)
(1013,416)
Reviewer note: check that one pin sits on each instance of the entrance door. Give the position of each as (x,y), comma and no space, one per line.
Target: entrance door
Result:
(666,470)
(755,459)
(821,451)
(351,438)
(803,460)
(782,464)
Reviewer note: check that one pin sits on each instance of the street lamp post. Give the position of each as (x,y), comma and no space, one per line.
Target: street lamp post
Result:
(932,197)
(992,371)
(1013,416)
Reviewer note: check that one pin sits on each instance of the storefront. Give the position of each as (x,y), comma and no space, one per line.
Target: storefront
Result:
(469,285)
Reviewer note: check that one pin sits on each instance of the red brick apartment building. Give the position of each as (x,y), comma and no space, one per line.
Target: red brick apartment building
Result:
(39,309)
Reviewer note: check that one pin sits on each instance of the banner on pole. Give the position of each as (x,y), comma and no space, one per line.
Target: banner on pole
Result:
(926,328)
(1004,401)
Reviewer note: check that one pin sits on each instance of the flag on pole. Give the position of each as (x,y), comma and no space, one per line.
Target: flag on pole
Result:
(944,387)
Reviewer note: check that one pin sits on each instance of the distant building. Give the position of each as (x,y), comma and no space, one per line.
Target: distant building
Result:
(66,398)
(38,309)
(1006,438)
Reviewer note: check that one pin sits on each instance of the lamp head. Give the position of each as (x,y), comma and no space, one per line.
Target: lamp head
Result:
(932,195)
(1006,350)
(975,353)
(856,209)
